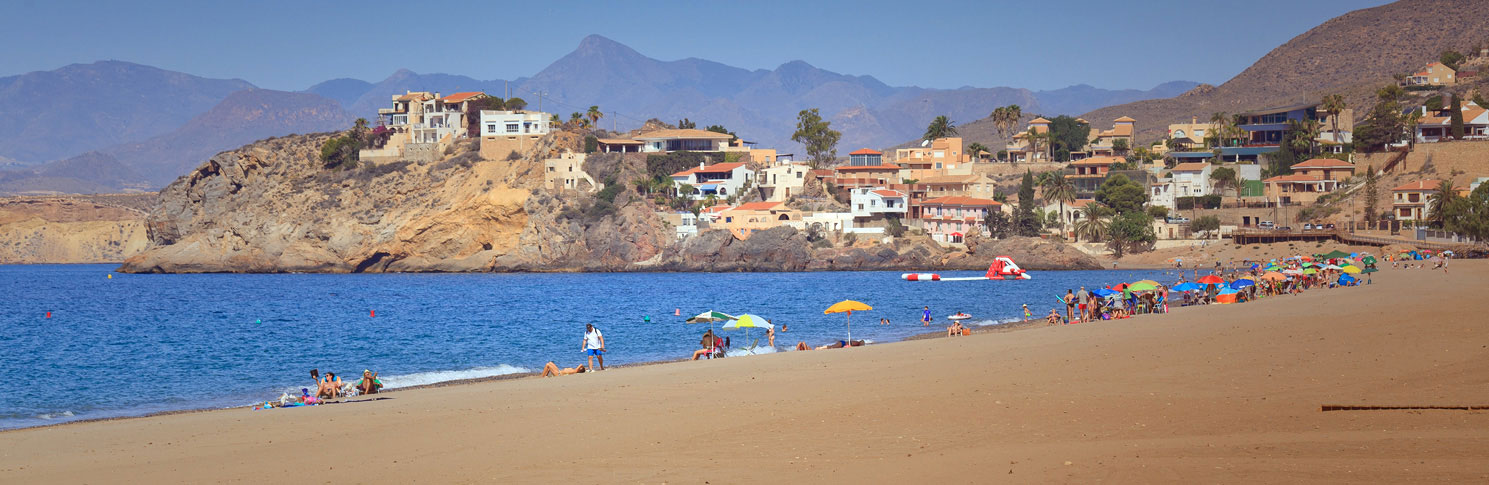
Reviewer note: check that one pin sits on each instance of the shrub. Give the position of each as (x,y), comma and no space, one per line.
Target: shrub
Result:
(514,156)
(340,152)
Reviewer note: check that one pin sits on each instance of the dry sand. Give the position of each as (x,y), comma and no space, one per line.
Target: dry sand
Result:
(1204,257)
(1213,394)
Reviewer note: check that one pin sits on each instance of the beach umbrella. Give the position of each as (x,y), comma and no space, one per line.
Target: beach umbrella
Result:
(1211,280)
(747,321)
(1241,283)
(848,306)
(1188,286)
(1333,266)
(1150,282)
(1142,286)
(1273,276)
(1336,254)
(1368,260)
(1351,269)
(710,317)
(1310,271)
(1103,292)
(1368,270)
(1292,271)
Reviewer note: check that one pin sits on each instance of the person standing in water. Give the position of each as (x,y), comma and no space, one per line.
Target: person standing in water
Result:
(593,345)
(925,317)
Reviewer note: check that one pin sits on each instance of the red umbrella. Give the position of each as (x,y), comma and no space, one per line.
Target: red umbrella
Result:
(1211,280)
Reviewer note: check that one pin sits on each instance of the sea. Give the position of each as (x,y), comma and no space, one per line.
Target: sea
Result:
(83,342)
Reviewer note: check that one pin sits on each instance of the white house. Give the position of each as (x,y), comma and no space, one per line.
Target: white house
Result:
(661,141)
(513,123)
(1191,179)
(1161,194)
(443,116)
(874,202)
(567,173)
(719,179)
(780,182)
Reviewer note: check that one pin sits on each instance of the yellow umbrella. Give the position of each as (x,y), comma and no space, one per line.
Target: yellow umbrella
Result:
(1151,282)
(1351,269)
(848,306)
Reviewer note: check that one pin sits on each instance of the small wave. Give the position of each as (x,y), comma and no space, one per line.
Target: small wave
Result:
(49,416)
(758,350)
(984,323)
(425,378)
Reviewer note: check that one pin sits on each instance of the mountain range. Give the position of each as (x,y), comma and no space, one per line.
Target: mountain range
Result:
(114,125)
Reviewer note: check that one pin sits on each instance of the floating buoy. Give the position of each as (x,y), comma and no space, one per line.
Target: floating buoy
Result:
(373,314)
(49,314)
(258,321)
(676,312)
(646,318)
(111,276)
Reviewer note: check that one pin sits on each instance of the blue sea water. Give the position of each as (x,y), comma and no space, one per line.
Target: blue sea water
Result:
(138,344)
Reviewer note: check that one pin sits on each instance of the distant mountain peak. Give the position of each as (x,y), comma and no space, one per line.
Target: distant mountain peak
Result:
(596,44)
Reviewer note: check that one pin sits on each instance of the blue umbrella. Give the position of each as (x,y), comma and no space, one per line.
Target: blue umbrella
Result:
(1227,291)
(1241,283)
(1103,292)
(1190,286)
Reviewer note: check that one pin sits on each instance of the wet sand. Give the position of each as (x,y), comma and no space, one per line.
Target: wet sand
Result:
(1218,393)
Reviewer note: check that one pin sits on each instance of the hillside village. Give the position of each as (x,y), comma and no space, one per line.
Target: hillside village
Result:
(1295,171)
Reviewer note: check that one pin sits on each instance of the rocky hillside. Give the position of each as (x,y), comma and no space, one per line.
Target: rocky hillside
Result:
(73,229)
(1353,54)
(272,207)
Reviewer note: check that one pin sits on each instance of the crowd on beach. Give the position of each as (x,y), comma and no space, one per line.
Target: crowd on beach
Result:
(1244,282)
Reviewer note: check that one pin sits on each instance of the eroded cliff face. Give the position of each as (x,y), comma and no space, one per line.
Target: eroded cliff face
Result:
(272,207)
(72,229)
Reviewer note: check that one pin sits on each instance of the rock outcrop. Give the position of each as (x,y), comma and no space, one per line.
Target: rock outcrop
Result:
(273,207)
(72,229)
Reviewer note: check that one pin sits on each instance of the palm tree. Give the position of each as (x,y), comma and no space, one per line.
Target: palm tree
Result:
(1437,204)
(574,118)
(941,127)
(1334,104)
(1035,140)
(594,114)
(976,149)
(1058,188)
(1219,127)
(1090,226)
(555,119)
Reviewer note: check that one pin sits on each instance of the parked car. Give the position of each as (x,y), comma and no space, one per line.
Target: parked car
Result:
(1308,227)
(1329,226)
(1285,228)
(1266,225)
(1178,220)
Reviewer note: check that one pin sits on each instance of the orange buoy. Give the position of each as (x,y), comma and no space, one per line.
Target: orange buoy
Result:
(677,312)
(49,314)
(373,314)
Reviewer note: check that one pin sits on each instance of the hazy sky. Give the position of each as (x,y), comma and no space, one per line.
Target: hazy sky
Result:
(1039,45)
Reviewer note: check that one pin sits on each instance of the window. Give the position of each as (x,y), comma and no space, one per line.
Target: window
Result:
(550,169)
(1199,132)
(491,128)
(511,127)
(798,174)
(1180,133)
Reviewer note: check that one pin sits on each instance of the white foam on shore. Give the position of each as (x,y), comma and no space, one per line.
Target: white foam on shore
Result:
(758,350)
(425,378)
(984,323)
(63,414)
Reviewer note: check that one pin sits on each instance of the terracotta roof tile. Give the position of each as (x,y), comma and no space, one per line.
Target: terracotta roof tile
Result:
(1297,177)
(888,193)
(462,97)
(1191,167)
(1420,185)
(865,151)
(683,134)
(1323,163)
(757,206)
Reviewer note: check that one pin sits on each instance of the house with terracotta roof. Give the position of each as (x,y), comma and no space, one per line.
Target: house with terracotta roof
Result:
(710,215)
(683,140)
(720,179)
(937,154)
(1409,201)
(408,108)
(858,176)
(1326,168)
(1192,179)
(1101,143)
(949,219)
(1437,125)
(1161,193)
(877,202)
(1094,167)
(865,157)
(1019,147)
(1298,189)
(1435,74)
(744,219)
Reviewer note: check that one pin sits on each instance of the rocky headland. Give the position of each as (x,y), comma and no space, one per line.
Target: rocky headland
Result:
(272,206)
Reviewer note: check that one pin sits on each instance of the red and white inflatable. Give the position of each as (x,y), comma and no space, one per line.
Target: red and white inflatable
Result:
(1003,268)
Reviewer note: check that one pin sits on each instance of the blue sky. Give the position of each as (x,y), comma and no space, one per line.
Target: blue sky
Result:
(1037,45)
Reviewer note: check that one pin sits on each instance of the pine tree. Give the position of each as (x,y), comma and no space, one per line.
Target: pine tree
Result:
(1028,225)
(1457,118)
(1371,192)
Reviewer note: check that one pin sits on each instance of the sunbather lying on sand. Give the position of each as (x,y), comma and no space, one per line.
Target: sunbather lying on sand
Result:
(840,344)
(551,369)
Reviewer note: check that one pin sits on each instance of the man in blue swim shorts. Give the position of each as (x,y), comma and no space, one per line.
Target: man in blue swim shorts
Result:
(594,346)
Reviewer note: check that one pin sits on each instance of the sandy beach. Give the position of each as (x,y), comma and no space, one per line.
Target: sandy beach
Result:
(1222,393)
